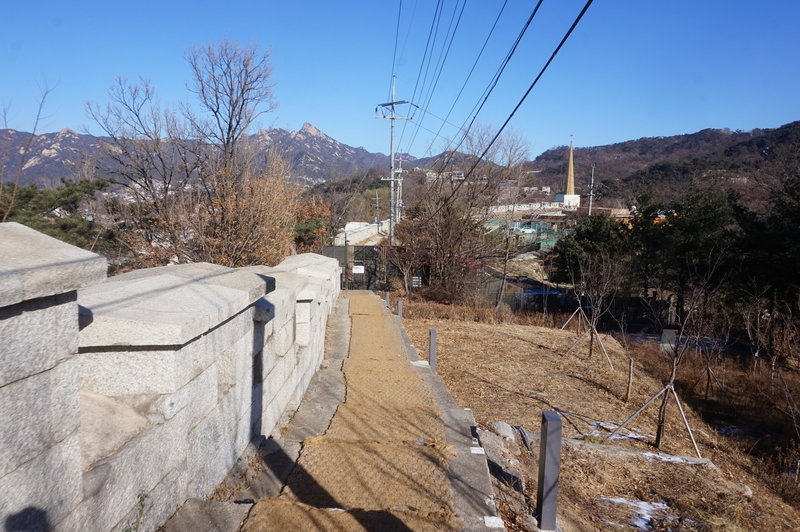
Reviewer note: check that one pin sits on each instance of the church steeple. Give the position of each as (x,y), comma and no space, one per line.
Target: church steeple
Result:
(568,198)
(570,188)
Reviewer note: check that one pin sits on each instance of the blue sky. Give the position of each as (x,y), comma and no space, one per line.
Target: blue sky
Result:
(633,68)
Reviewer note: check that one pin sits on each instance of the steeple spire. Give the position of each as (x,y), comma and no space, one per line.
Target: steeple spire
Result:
(570,188)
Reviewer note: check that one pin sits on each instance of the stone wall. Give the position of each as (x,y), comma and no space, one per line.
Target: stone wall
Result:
(173,372)
(355,233)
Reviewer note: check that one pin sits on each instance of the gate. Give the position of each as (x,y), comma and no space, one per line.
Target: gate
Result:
(363,267)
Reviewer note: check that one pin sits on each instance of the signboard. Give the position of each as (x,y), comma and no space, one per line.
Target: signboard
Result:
(416,282)
(358,268)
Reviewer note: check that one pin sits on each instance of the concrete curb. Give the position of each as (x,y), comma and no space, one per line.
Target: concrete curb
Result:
(469,471)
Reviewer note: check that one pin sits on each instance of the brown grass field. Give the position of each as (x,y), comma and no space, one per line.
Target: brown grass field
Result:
(511,372)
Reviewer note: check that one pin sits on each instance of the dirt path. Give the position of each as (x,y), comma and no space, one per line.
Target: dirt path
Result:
(382,464)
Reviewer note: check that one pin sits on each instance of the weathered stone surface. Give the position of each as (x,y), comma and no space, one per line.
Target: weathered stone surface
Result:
(232,332)
(206,273)
(36,335)
(43,490)
(106,424)
(36,413)
(282,339)
(283,301)
(216,442)
(299,284)
(112,486)
(160,503)
(504,429)
(35,265)
(236,373)
(199,396)
(209,516)
(116,373)
(155,311)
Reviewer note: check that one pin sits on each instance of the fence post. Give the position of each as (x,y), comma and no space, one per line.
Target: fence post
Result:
(549,464)
(432,349)
(400,307)
(389,299)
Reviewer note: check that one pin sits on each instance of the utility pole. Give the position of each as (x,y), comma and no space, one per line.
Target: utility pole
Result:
(591,191)
(390,108)
(398,204)
(377,206)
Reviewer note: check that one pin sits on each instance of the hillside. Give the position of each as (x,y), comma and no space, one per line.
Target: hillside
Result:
(742,161)
(510,373)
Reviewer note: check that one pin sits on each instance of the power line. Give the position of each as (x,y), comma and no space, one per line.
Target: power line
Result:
(492,84)
(469,75)
(443,55)
(434,23)
(532,85)
(394,54)
(519,104)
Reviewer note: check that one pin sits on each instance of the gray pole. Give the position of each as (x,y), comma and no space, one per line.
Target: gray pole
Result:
(549,464)
(392,197)
(393,210)
(389,300)
(591,191)
(400,307)
(432,349)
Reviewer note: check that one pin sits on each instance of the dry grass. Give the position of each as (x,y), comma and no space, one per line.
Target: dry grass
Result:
(511,372)
(480,312)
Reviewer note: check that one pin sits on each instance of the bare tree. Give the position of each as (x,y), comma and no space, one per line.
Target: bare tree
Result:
(233,85)
(9,185)
(513,150)
(197,189)
(597,278)
(147,152)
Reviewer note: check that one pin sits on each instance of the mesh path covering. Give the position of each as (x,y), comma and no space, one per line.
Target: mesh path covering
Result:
(382,463)
(276,515)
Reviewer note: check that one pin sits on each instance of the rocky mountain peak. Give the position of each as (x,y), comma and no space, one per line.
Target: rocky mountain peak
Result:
(310,129)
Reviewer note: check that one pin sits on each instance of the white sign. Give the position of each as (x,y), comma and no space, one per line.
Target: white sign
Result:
(358,268)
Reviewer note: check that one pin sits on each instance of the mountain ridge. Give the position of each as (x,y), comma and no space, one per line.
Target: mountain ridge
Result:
(316,157)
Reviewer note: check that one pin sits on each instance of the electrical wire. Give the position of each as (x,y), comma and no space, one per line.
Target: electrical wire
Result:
(492,84)
(532,85)
(434,24)
(469,75)
(510,116)
(394,54)
(443,55)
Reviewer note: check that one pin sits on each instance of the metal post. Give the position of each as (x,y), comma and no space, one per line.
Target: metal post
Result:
(389,299)
(400,307)
(432,349)
(549,464)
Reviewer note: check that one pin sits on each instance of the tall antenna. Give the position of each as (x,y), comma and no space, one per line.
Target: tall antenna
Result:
(389,111)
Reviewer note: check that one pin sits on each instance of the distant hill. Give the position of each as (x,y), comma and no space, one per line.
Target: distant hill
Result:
(317,157)
(50,156)
(741,159)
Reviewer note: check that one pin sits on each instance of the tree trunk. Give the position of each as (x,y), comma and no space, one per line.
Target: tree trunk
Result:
(662,420)
(630,379)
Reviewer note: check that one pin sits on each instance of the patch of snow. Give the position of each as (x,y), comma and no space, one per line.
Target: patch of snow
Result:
(668,458)
(730,430)
(491,521)
(642,510)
